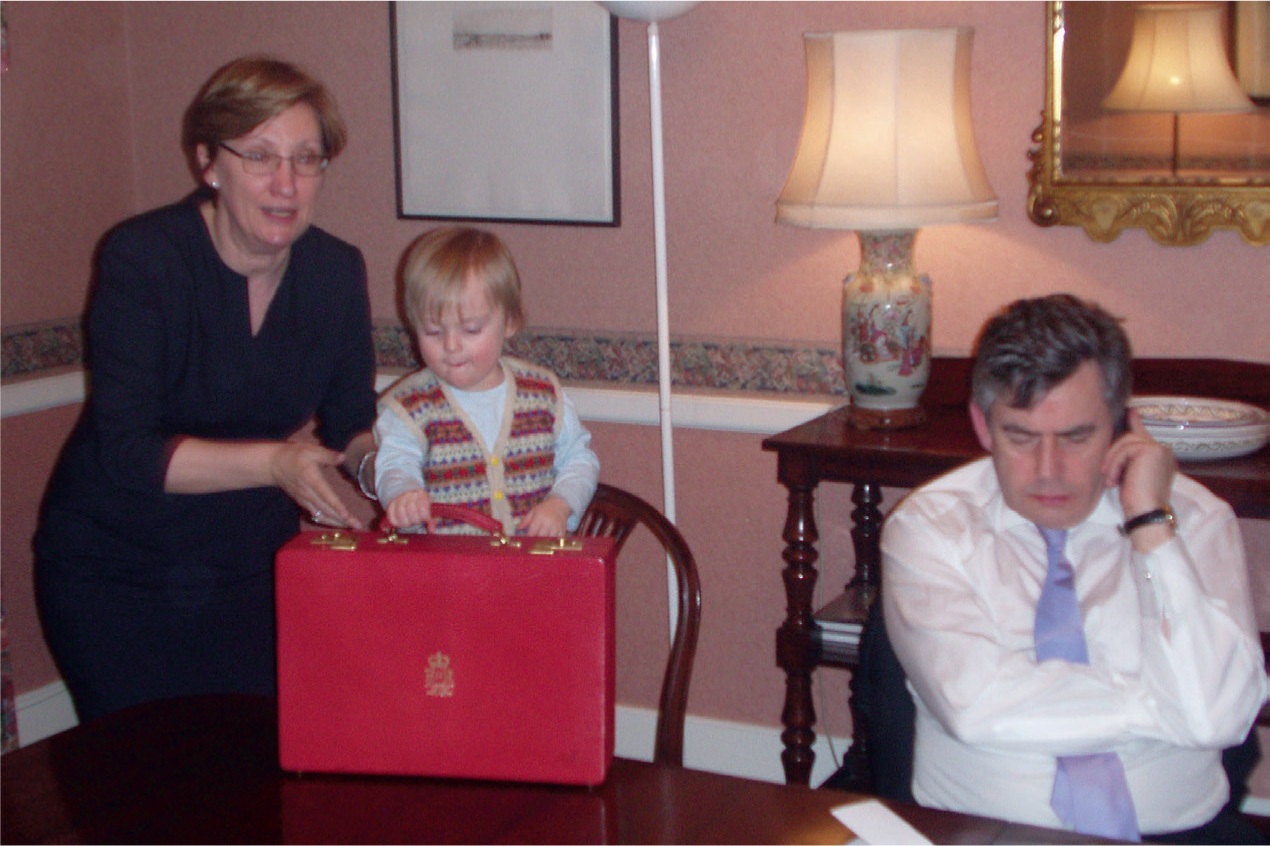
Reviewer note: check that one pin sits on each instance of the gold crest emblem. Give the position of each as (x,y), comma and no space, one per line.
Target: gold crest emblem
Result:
(439,678)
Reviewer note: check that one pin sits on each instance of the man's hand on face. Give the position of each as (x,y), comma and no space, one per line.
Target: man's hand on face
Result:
(1144,469)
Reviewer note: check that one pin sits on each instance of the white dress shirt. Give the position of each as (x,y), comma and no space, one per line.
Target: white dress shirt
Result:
(1175,669)
(400,459)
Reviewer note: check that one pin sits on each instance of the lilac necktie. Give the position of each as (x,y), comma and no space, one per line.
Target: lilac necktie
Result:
(1090,791)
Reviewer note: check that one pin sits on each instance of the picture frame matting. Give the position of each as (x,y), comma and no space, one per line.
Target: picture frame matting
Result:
(506,111)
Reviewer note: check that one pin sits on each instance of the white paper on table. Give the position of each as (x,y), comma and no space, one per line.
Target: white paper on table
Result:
(875,824)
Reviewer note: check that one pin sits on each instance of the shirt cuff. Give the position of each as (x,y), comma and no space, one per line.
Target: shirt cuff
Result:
(394,483)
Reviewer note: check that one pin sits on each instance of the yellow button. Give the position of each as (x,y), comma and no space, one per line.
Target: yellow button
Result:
(499,495)
(493,462)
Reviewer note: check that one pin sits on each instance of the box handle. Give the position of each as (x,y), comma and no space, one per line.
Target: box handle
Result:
(449,511)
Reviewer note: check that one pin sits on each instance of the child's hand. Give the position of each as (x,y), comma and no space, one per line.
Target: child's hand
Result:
(411,508)
(548,518)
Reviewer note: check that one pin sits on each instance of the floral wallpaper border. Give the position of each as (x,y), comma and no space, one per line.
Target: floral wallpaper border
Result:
(616,358)
(42,346)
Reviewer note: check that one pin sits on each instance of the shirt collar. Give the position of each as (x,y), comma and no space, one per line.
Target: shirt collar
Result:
(1107,511)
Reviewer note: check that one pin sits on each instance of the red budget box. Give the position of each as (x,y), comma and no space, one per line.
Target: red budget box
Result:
(450,656)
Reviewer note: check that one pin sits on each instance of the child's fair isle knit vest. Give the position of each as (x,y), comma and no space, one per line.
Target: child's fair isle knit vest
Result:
(517,471)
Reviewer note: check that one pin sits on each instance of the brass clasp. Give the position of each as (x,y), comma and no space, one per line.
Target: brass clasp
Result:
(336,540)
(499,540)
(391,536)
(553,545)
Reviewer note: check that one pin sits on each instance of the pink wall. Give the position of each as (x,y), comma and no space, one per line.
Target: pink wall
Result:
(31,443)
(732,88)
(91,127)
(67,150)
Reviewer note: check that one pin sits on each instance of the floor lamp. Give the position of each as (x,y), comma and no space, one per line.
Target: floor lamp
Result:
(653,13)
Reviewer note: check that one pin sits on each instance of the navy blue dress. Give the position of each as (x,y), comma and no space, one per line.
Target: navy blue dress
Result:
(145,594)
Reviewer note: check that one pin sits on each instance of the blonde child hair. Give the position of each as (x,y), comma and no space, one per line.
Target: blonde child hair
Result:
(436,267)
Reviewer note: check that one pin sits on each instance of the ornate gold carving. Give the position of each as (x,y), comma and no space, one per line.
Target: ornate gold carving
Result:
(1173,212)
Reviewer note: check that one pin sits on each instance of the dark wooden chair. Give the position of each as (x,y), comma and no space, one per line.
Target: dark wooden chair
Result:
(615,513)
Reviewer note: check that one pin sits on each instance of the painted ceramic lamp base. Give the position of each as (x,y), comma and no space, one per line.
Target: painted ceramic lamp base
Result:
(886,332)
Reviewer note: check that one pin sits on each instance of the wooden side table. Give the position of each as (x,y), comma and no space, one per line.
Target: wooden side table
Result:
(827,449)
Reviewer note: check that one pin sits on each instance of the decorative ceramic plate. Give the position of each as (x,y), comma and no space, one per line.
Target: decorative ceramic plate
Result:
(1197,428)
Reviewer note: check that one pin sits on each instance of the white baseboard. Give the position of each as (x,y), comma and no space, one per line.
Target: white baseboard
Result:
(1256,805)
(44,712)
(723,746)
(718,746)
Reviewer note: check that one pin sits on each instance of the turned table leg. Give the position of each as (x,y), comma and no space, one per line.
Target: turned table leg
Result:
(794,638)
(866,537)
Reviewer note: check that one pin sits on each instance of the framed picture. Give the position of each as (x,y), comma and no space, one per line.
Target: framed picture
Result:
(506,111)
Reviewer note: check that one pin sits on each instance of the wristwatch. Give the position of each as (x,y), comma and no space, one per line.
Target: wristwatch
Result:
(1159,515)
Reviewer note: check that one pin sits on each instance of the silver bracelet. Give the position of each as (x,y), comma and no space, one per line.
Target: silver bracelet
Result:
(361,476)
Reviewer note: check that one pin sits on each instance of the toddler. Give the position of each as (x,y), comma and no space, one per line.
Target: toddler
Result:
(475,427)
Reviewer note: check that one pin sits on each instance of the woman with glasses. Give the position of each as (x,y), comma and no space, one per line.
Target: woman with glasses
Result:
(218,328)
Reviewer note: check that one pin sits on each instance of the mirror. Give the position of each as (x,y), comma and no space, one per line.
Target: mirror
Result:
(1177,175)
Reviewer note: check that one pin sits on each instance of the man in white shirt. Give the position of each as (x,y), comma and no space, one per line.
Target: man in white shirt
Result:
(1175,668)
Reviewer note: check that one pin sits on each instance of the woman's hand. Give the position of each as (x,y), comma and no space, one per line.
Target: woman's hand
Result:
(549,518)
(299,469)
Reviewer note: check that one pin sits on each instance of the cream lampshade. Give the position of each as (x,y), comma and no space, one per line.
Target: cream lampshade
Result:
(887,146)
(1177,63)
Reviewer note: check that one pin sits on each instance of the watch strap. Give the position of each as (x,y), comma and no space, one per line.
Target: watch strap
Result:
(1159,515)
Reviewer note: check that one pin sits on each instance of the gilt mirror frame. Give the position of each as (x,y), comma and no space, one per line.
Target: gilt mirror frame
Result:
(1174,212)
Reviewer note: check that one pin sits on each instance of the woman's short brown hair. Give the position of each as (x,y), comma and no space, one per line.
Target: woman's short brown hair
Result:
(435,268)
(249,91)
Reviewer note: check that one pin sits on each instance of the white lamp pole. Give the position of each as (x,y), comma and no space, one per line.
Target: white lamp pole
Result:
(652,13)
(663,296)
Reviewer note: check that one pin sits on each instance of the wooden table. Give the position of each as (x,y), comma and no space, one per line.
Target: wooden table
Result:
(827,449)
(205,770)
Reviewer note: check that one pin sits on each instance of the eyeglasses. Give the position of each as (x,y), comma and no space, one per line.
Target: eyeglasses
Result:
(266,164)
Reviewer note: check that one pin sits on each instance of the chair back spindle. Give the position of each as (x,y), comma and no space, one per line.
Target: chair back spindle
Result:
(615,513)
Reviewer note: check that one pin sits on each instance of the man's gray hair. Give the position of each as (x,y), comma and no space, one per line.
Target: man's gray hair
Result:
(1032,345)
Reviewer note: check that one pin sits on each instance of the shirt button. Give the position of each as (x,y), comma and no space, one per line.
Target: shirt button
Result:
(494,462)
(498,495)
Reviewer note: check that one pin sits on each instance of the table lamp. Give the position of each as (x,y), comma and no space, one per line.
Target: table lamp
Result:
(1177,63)
(887,146)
